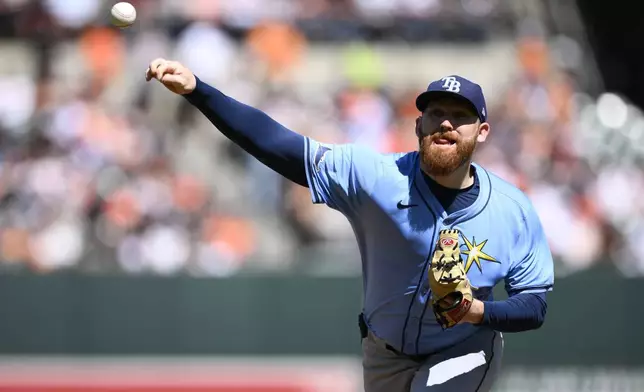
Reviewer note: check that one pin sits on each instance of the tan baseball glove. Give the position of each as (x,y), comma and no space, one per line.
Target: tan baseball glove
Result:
(451,290)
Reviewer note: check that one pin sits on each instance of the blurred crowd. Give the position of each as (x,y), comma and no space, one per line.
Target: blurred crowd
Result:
(103,173)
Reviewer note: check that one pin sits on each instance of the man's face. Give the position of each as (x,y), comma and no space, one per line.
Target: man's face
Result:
(448,132)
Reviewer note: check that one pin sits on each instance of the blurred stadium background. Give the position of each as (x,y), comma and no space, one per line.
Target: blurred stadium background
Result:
(141,251)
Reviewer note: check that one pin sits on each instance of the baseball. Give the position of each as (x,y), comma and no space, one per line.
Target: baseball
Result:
(123,14)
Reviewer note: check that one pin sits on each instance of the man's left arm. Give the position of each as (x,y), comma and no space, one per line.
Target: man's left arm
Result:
(521,312)
(530,276)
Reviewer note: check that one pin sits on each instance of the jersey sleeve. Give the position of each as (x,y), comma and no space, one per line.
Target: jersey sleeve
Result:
(339,176)
(532,270)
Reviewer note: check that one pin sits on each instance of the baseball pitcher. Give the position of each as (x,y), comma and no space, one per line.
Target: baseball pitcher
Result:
(436,233)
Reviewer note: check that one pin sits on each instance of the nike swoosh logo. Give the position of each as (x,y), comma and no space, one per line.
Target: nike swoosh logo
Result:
(402,206)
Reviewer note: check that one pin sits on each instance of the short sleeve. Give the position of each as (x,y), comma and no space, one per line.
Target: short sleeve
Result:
(339,175)
(532,270)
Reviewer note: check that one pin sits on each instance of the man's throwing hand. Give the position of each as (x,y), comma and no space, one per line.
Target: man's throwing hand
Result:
(173,75)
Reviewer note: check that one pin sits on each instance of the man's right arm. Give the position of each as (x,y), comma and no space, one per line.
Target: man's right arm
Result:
(328,170)
(337,175)
(254,131)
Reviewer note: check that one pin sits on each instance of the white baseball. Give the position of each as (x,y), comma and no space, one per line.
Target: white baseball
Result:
(123,14)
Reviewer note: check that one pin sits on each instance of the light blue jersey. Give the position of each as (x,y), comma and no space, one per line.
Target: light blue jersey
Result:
(396,220)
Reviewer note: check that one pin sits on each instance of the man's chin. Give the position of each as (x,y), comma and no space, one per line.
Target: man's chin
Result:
(439,171)
(440,165)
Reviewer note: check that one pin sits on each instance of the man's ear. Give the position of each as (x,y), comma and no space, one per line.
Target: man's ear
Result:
(484,130)
(419,123)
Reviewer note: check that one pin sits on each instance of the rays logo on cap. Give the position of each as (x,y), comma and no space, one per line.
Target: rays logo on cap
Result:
(451,84)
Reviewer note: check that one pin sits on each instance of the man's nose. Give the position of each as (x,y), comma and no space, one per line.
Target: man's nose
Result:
(446,126)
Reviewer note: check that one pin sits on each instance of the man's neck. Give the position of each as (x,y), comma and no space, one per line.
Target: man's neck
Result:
(461,178)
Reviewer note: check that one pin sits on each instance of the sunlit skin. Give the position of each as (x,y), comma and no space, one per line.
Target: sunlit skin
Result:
(448,132)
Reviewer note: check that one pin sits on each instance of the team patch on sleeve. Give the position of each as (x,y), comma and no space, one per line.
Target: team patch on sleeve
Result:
(319,156)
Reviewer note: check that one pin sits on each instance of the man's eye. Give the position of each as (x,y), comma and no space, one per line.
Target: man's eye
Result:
(437,113)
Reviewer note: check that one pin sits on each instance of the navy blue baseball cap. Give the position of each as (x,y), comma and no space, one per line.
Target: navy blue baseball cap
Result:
(457,86)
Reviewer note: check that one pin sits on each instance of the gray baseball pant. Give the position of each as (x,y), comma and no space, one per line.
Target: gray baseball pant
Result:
(469,366)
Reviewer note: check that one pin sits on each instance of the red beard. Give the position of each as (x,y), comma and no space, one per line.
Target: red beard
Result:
(441,161)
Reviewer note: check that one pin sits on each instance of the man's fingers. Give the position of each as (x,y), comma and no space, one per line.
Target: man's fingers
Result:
(167,72)
(169,78)
(160,71)
(157,68)
(164,69)
(154,64)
